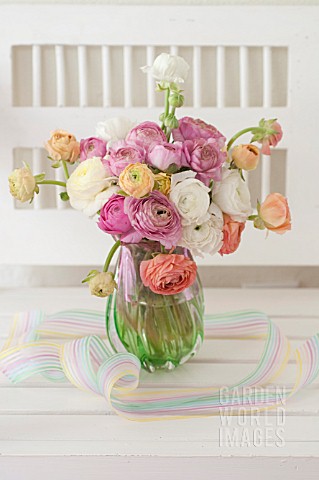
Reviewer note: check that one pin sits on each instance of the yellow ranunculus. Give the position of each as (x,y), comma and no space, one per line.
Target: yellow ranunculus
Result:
(22,184)
(102,284)
(137,180)
(163,183)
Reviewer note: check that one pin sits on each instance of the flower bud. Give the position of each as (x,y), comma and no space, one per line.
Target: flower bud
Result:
(102,284)
(246,157)
(171,121)
(22,184)
(176,100)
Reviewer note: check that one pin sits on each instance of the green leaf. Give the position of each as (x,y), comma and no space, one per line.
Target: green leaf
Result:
(241,174)
(121,192)
(39,177)
(64,196)
(90,275)
(56,164)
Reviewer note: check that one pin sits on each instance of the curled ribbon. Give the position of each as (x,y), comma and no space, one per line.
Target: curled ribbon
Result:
(89,362)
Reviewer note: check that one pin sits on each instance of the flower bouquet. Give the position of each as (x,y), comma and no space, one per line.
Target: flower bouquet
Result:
(165,193)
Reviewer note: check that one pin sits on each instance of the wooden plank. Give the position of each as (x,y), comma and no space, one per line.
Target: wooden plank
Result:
(189,22)
(57,401)
(224,463)
(227,351)
(189,375)
(289,302)
(99,428)
(295,328)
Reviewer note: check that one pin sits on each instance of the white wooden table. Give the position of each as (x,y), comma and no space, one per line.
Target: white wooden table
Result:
(49,431)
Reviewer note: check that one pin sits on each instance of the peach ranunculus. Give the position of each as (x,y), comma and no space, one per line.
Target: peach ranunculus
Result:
(137,180)
(63,146)
(168,274)
(246,157)
(232,231)
(275,214)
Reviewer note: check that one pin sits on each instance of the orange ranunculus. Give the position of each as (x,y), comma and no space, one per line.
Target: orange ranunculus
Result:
(275,213)
(63,146)
(168,274)
(232,234)
(246,157)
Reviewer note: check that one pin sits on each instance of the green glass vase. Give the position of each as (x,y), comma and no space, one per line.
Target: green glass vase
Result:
(163,331)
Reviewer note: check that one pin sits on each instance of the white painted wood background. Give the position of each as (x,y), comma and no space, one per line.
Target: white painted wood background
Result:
(56,431)
(59,236)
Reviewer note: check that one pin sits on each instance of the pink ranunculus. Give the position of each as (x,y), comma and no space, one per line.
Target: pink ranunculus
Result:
(113,220)
(271,140)
(192,129)
(275,213)
(168,274)
(164,155)
(121,155)
(155,218)
(146,135)
(92,147)
(231,235)
(204,157)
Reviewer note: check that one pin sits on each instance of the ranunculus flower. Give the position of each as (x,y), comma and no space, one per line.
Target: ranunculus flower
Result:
(190,196)
(89,187)
(121,155)
(246,157)
(146,135)
(275,213)
(92,147)
(22,184)
(165,155)
(102,284)
(191,129)
(162,183)
(113,220)
(113,129)
(137,180)
(206,237)
(232,235)
(63,146)
(155,218)
(269,135)
(168,274)
(232,196)
(168,68)
(206,158)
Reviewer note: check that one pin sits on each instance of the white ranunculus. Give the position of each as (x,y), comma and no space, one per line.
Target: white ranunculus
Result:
(190,196)
(206,237)
(168,68)
(89,186)
(232,196)
(114,129)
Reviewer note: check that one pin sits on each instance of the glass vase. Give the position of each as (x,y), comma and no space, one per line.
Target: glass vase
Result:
(163,331)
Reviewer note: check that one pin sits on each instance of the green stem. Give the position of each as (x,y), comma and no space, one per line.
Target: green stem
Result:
(110,255)
(168,130)
(52,182)
(166,111)
(242,132)
(65,168)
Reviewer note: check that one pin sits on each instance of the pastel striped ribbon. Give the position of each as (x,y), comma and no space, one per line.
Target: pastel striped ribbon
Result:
(83,356)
